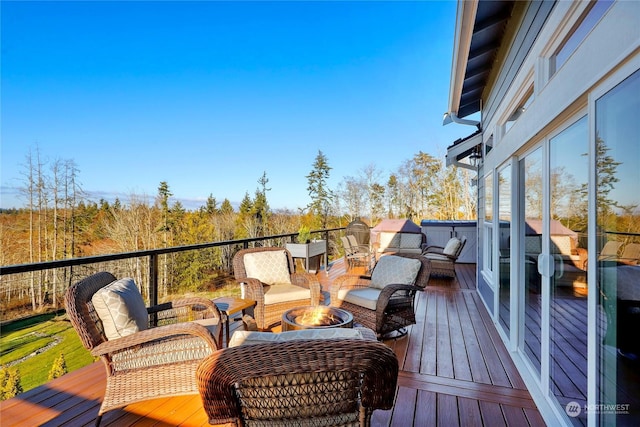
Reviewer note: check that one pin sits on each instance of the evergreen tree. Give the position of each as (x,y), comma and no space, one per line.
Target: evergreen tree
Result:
(260,208)
(59,368)
(211,207)
(319,191)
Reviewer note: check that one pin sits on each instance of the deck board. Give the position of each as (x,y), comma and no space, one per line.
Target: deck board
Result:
(454,370)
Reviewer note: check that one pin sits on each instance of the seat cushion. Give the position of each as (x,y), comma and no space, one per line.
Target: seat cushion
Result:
(364,297)
(410,240)
(270,267)
(437,257)
(452,247)
(253,337)
(285,292)
(121,309)
(393,269)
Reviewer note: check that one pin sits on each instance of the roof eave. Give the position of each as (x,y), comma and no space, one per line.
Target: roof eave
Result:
(465,20)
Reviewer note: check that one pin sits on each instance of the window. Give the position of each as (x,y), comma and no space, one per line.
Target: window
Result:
(579,33)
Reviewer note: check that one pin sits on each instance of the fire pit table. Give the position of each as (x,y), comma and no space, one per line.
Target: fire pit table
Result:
(319,317)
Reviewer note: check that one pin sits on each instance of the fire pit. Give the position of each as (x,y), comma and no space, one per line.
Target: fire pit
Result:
(320,317)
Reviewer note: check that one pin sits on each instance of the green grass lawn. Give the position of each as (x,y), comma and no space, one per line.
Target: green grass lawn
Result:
(25,338)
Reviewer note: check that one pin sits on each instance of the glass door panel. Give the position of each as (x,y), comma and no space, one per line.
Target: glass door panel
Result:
(530,171)
(568,181)
(504,244)
(617,131)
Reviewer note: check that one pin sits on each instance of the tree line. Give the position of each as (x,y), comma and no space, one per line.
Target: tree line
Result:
(60,221)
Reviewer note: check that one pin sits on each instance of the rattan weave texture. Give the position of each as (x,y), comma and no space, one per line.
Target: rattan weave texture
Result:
(337,382)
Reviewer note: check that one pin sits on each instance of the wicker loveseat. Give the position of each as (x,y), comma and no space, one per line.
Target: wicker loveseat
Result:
(310,382)
(384,301)
(143,361)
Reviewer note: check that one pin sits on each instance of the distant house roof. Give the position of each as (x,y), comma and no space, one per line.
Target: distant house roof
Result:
(397,225)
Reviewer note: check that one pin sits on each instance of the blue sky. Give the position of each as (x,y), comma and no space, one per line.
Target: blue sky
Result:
(209,95)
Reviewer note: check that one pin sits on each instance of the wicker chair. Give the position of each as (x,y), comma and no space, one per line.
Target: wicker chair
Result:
(329,382)
(394,304)
(152,363)
(443,259)
(268,313)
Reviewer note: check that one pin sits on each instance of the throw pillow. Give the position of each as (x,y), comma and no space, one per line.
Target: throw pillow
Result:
(452,246)
(270,267)
(410,240)
(121,309)
(393,269)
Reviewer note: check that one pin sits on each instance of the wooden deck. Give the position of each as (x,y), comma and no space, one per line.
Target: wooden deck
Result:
(454,371)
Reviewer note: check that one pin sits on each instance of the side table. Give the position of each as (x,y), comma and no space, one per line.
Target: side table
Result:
(229,306)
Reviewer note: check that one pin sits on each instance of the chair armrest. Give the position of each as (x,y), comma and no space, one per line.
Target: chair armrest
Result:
(254,288)
(150,336)
(388,292)
(194,304)
(308,281)
(433,249)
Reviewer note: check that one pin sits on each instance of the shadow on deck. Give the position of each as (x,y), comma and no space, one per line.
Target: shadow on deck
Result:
(454,370)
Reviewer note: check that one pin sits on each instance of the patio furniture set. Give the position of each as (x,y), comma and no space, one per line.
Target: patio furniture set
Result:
(178,348)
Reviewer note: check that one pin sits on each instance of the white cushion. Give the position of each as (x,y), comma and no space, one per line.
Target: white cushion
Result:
(410,240)
(270,267)
(393,269)
(252,337)
(121,309)
(285,293)
(364,297)
(452,246)
(389,240)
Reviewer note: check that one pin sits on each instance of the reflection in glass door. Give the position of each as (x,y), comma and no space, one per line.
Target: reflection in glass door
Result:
(568,184)
(530,171)
(504,245)
(618,252)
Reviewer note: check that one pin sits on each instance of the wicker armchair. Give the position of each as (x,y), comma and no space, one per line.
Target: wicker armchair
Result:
(383,310)
(273,298)
(151,363)
(324,382)
(443,259)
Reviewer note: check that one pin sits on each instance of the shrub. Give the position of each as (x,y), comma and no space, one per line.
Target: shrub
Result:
(59,368)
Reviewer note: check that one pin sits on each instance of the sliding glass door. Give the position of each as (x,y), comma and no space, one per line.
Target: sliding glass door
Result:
(617,130)
(529,319)
(567,243)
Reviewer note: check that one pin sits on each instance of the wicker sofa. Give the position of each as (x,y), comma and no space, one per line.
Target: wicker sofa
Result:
(391,242)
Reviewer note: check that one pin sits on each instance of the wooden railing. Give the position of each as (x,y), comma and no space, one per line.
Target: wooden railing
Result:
(153,255)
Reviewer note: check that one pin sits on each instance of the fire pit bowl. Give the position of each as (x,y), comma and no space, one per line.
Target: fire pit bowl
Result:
(319,317)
